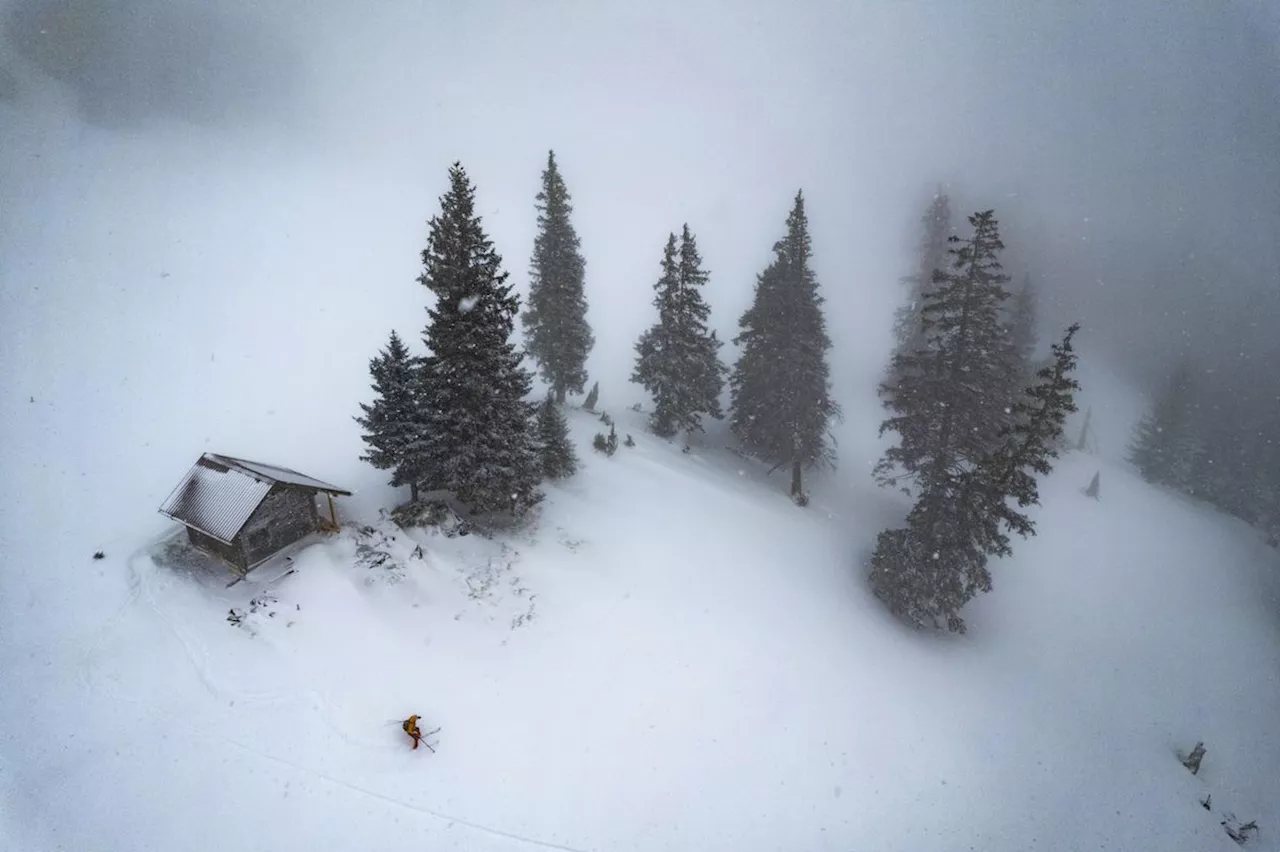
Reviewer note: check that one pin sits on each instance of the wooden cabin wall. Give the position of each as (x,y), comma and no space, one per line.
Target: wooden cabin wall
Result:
(285,515)
(231,553)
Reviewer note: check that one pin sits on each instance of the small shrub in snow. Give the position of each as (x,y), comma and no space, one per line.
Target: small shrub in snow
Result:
(607,445)
(629,441)
(1237,832)
(427,513)
(1094,486)
(605,418)
(1192,761)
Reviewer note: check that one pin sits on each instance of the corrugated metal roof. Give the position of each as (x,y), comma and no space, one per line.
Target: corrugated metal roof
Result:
(277,474)
(216,502)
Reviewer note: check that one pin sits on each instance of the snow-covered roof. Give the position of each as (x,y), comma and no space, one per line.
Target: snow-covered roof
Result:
(220,493)
(277,474)
(216,502)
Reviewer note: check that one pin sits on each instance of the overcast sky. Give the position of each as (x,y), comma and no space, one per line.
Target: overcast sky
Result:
(1130,149)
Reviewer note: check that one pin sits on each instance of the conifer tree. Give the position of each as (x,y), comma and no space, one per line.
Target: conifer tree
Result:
(554,449)
(780,387)
(928,570)
(1029,446)
(936,229)
(593,396)
(677,359)
(477,437)
(952,402)
(391,421)
(559,338)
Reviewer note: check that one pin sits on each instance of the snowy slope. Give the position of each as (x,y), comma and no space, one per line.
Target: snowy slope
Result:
(673,657)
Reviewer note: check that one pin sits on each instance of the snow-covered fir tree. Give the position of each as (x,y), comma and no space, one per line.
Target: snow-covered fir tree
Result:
(477,437)
(1030,445)
(927,571)
(1167,447)
(555,321)
(392,420)
(554,449)
(677,360)
(952,399)
(781,387)
(936,228)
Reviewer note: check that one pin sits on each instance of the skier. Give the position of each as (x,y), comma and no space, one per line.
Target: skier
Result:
(410,726)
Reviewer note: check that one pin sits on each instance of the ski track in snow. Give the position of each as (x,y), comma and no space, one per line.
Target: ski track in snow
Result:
(451,820)
(197,654)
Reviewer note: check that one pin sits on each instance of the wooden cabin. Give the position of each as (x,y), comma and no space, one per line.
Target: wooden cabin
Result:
(245,512)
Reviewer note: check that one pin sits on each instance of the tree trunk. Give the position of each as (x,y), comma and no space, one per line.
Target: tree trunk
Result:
(413,491)
(560,394)
(797,485)
(1081,443)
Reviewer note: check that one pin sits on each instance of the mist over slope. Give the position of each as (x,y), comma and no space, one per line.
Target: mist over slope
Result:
(672,656)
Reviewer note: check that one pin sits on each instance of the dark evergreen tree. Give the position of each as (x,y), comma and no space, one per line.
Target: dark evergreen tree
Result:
(592,397)
(391,421)
(677,359)
(936,229)
(781,387)
(952,402)
(477,438)
(554,449)
(559,338)
(1029,446)
(1166,448)
(927,571)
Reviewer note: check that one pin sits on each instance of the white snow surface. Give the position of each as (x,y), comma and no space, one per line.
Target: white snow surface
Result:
(671,656)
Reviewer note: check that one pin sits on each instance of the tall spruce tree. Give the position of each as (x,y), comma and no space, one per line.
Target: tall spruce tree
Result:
(477,439)
(555,322)
(677,359)
(936,229)
(781,387)
(951,401)
(927,571)
(392,420)
(1029,447)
